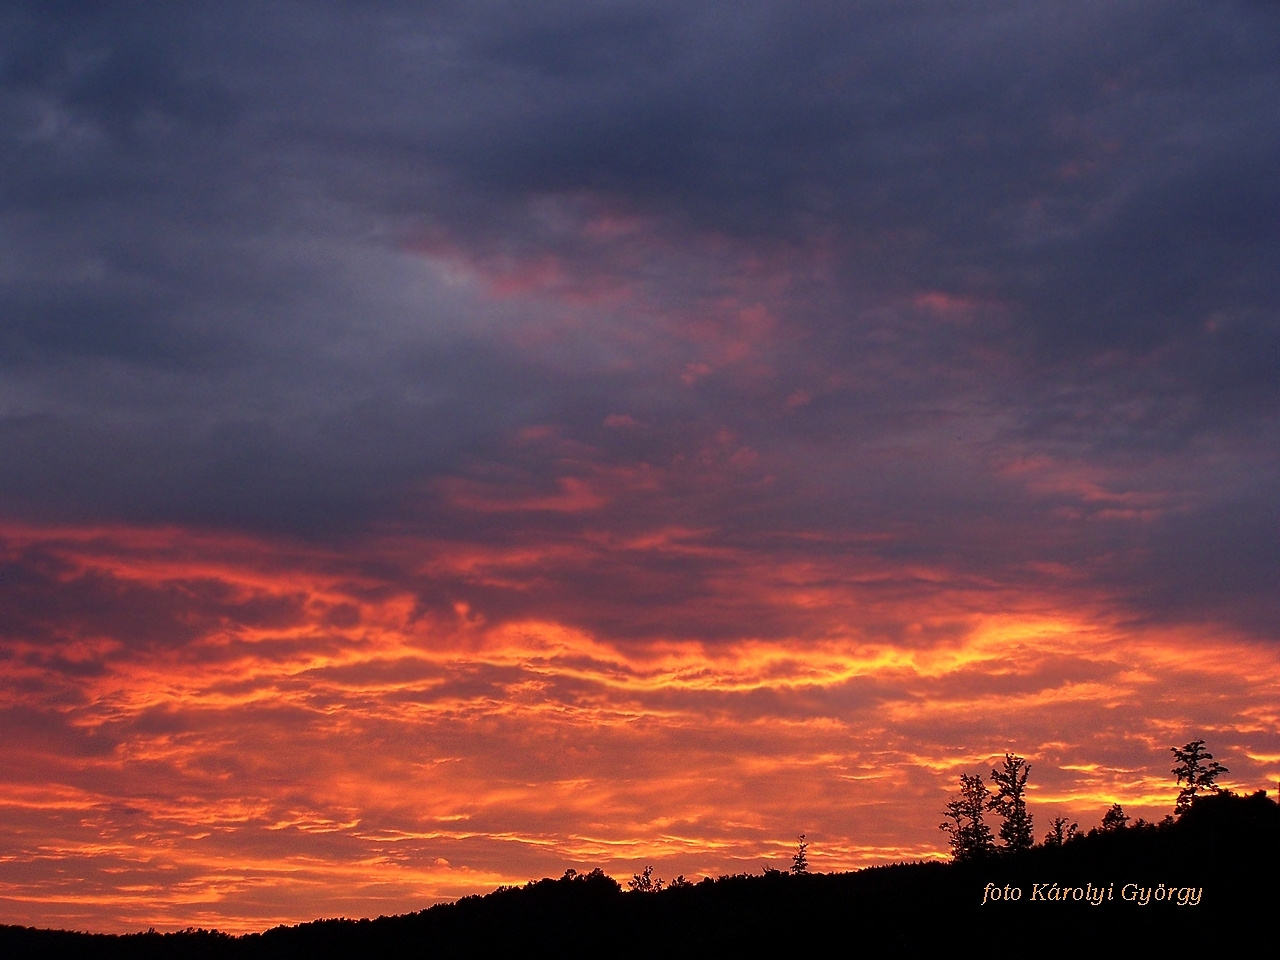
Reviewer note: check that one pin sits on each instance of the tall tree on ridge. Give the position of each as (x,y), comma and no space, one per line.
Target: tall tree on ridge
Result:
(970,836)
(1197,768)
(1010,801)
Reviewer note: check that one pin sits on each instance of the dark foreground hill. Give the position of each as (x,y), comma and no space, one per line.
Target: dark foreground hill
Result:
(1198,885)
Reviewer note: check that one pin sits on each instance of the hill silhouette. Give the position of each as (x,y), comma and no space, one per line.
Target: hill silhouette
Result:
(1209,876)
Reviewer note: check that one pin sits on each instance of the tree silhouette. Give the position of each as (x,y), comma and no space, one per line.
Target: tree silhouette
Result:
(595,876)
(1198,770)
(645,882)
(1010,802)
(1060,832)
(800,862)
(1114,819)
(970,836)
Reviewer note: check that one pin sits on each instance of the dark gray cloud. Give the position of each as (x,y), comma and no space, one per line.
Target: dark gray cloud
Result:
(299,269)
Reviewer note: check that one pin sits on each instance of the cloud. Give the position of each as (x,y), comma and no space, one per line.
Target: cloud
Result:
(460,379)
(403,756)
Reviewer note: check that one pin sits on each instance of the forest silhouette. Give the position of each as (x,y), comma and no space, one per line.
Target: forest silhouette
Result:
(1208,867)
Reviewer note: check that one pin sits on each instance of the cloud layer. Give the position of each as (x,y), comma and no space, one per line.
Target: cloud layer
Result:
(275,738)
(605,424)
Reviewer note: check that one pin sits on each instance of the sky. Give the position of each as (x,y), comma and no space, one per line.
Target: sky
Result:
(443,444)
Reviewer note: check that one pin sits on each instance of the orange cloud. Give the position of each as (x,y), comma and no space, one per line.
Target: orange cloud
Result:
(314,741)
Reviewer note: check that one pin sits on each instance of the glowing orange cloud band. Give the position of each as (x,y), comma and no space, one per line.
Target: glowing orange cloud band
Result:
(314,742)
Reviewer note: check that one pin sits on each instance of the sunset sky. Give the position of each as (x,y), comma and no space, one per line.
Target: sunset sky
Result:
(446,443)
